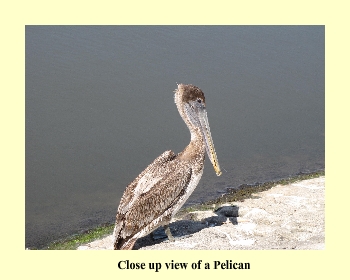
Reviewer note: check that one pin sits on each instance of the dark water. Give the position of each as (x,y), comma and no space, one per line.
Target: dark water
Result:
(99,109)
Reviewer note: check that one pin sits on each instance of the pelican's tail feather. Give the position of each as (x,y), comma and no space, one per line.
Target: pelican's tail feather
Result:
(121,242)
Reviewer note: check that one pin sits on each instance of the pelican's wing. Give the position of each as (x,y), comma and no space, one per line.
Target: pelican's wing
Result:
(136,187)
(152,204)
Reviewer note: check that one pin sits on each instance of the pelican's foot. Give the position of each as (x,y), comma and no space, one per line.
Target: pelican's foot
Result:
(168,233)
(159,234)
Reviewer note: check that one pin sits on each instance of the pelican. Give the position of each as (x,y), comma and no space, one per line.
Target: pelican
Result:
(154,197)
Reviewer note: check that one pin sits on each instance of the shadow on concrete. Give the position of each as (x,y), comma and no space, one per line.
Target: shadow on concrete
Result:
(190,224)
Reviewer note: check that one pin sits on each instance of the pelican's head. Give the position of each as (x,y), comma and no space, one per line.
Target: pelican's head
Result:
(190,102)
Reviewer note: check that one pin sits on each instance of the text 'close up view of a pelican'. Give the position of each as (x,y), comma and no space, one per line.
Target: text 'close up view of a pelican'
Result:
(155,196)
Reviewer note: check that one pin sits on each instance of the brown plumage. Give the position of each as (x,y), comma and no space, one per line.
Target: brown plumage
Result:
(154,197)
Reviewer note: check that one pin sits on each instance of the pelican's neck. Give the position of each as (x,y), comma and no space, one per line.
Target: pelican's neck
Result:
(196,135)
(195,132)
(196,147)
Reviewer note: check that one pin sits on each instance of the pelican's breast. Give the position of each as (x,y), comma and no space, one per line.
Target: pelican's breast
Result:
(191,186)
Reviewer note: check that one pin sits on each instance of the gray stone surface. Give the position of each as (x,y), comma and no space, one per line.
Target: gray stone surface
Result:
(283,217)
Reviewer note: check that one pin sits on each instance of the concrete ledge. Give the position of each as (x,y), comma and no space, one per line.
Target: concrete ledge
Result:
(283,217)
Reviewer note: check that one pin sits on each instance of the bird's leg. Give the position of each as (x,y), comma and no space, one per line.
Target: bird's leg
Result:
(168,233)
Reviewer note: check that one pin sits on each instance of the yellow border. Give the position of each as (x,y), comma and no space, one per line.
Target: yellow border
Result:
(19,264)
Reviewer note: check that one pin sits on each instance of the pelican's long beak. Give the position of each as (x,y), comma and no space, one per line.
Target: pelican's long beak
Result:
(209,145)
